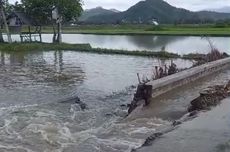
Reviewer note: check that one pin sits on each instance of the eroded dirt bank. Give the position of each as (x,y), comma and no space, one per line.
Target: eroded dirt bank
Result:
(174,105)
(209,132)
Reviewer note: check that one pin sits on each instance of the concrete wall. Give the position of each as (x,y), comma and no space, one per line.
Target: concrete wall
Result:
(170,82)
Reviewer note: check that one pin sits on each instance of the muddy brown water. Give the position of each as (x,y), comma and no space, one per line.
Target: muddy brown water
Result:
(35,115)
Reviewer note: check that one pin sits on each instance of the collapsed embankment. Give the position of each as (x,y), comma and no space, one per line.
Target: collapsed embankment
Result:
(145,92)
(210,132)
(209,97)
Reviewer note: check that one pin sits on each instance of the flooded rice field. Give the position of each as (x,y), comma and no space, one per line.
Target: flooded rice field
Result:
(38,112)
(175,44)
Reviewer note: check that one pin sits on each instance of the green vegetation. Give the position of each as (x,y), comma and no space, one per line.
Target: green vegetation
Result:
(53,11)
(194,56)
(6,47)
(81,48)
(41,10)
(94,12)
(183,30)
(42,46)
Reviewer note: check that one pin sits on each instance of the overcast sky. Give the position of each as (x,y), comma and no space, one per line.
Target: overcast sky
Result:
(187,4)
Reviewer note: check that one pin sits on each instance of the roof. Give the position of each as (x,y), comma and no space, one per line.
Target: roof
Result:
(25,19)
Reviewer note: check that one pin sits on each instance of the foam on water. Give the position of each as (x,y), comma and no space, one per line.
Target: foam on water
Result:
(41,129)
(38,110)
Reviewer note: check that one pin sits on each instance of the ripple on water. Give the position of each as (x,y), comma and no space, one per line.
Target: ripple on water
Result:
(34,118)
(38,129)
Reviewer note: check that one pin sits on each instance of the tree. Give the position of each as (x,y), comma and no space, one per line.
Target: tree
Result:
(3,20)
(18,7)
(41,11)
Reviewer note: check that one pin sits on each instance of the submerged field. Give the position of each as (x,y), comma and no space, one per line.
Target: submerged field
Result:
(81,48)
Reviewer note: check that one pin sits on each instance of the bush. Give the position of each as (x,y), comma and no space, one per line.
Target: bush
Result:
(220,25)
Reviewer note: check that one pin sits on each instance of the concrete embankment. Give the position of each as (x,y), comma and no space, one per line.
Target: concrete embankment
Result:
(148,92)
(210,132)
(179,79)
(170,83)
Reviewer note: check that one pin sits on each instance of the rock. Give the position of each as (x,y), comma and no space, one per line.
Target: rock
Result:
(209,97)
(81,104)
(109,115)
(225,55)
(193,113)
(176,123)
(120,113)
(152,138)
(227,87)
(133,87)
(124,106)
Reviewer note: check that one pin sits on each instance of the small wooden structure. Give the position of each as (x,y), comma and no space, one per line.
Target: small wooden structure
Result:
(18,20)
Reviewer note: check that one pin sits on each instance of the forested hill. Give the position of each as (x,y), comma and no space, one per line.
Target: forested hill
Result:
(95,12)
(159,10)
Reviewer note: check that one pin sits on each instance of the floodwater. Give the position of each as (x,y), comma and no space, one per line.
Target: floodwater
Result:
(207,133)
(175,44)
(210,132)
(36,114)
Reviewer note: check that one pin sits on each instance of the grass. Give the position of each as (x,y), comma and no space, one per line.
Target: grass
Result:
(194,56)
(182,30)
(42,46)
(81,48)
(128,29)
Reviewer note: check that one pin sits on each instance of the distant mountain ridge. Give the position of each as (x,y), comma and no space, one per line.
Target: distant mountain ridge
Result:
(156,10)
(225,9)
(88,13)
(114,10)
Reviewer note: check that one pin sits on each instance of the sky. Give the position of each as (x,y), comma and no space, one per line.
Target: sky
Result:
(122,5)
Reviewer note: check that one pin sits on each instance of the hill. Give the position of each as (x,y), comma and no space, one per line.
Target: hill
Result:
(95,12)
(157,10)
(221,10)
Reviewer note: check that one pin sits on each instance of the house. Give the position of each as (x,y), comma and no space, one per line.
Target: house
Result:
(154,22)
(18,21)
